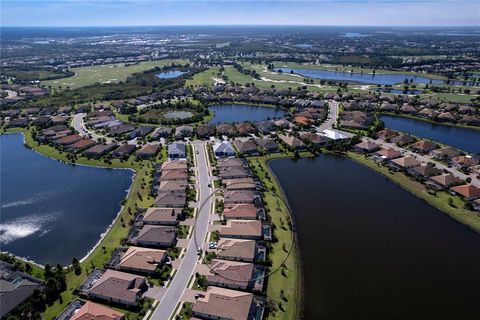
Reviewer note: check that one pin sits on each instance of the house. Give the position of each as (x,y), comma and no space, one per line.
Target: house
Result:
(148,151)
(242,211)
(404,163)
(15,287)
(204,131)
(221,303)
(236,275)
(246,147)
(424,171)
(244,128)
(99,150)
(444,181)
(174,175)
(267,144)
(386,134)
(154,236)
(68,139)
(161,216)
(124,150)
(114,287)
(445,153)
(242,229)
(239,250)
(232,162)
(175,165)
(173,186)
(121,129)
(223,149)
(292,142)
(467,191)
(80,145)
(226,130)
(161,133)
(464,162)
(17,123)
(240,196)
(177,151)
(183,132)
(233,172)
(138,260)
(266,126)
(423,146)
(42,121)
(402,139)
(87,310)
(141,131)
(333,135)
(315,139)
(240,184)
(171,200)
(366,147)
(388,154)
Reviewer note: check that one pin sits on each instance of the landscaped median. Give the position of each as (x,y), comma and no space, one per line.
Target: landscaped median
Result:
(138,197)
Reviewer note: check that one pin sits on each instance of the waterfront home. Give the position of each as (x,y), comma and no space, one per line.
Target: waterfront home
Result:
(366,147)
(333,135)
(464,162)
(241,196)
(467,191)
(233,172)
(204,131)
(170,200)
(444,181)
(148,151)
(388,154)
(183,132)
(386,134)
(423,146)
(404,163)
(236,275)
(87,310)
(15,287)
(267,144)
(173,185)
(68,139)
(284,124)
(232,162)
(226,129)
(124,150)
(137,259)
(42,121)
(99,150)
(174,175)
(266,126)
(177,151)
(153,236)
(114,287)
(292,142)
(424,171)
(244,211)
(17,123)
(445,153)
(160,216)
(240,250)
(244,128)
(242,229)
(313,138)
(221,303)
(80,145)
(402,139)
(174,165)
(240,184)
(223,149)
(245,147)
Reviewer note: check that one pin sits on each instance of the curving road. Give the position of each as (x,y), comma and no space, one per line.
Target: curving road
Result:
(175,291)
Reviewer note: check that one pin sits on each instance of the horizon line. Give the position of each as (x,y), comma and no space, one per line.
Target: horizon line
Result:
(243,25)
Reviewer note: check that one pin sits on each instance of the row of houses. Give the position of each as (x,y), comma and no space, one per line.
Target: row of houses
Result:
(236,274)
(426,173)
(123,281)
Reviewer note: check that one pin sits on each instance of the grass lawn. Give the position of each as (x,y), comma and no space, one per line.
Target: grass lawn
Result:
(439,200)
(105,73)
(139,197)
(204,78)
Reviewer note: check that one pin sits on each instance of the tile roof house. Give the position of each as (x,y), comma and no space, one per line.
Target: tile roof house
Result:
(221,303)
(154,236)
(424,171)
(366,147)
(266,126)
(244,128)
(81,145)
(236,249)
(183,132)
(117,287)
(402,139)
(173,185)
(240,196)
(267,144)
(233,172)
(404,162)
(239,184)
(68,139)
(231,162)
(174,165)
(464,162)
(148,151)
(292,142)
(388,154)
(99,150)
(142,260)
(467,191)
(315,139)
(95,311)
(445,180)
(226,129)
(445,153)
(242,229)
(205,131)
(386,134)
(235,275)
(161,216)
(424,146)
(170,200)
(246,147)
(244,211)
(223,149)
(174,175)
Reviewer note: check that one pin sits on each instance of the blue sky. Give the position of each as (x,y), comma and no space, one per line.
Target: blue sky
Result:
(240,12)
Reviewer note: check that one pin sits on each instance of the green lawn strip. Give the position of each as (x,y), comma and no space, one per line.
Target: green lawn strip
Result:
(139,197)
(204,78)
(101,73)
(439,200)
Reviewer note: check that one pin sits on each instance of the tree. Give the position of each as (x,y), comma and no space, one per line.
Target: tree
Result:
(77,269)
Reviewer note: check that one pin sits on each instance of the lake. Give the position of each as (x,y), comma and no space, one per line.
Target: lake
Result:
(229,113)
(461,138)
(52,211)
(376,252)
(169,74)
(358,77)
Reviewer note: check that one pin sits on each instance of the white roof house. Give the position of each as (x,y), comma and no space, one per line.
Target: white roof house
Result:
(223,149)
(334,135)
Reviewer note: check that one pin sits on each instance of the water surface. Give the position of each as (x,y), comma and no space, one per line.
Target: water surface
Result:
(376,252)
(229,113)
(51,211)
(178,115)
(461,138)
(169,74)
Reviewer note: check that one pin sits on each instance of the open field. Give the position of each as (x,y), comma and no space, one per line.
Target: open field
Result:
(110,73)
(139,197)
(204,78)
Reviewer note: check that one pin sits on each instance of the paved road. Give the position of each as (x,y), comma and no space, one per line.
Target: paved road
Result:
(332,116)
(186,269)
(426,158)
(79,126)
